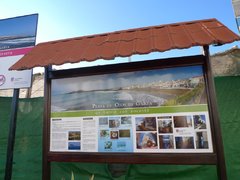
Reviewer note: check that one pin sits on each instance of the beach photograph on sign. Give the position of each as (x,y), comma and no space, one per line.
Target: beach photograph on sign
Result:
(159,110)
(17,32)
(17,37)
(152,88)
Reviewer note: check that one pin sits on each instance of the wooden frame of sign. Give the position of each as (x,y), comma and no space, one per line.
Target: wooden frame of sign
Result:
(214,157)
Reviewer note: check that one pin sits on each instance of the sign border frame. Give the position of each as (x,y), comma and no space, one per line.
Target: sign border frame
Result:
(214,158)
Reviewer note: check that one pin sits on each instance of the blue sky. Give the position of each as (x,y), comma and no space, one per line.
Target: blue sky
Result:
(60,19)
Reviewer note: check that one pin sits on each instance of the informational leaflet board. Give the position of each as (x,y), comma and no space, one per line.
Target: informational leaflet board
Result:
(17,37)
(145,111)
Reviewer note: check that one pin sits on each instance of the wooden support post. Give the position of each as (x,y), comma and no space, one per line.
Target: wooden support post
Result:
(46,166)
(11,135)
(221,167)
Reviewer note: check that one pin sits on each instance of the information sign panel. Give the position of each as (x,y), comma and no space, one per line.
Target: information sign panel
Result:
(162,110)
(17,37)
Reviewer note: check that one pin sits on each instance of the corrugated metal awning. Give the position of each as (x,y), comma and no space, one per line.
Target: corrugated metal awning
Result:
(126,43)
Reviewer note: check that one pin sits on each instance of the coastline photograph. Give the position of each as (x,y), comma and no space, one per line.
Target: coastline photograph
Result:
(18,32)
(150,88)
(74,135)
(74,146)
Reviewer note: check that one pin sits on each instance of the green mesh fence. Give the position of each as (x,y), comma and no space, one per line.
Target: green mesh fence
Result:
(28,145)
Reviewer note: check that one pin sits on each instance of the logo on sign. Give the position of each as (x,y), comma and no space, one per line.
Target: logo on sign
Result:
(2,80)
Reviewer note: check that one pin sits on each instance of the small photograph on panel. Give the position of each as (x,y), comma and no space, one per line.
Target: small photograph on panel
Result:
(165,126)
(103,121)
(74,145)
(108,145)
(166,142)
(184,142)
(124,133)
(182,121)
(114,122)
(199,121)
(74,135)
(146,124)
(164,117)
(201,140)
(146,140)
(126,120)
(104,133)
(114,134)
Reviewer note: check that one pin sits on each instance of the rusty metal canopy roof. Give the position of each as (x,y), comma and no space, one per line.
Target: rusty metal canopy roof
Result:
(126,43)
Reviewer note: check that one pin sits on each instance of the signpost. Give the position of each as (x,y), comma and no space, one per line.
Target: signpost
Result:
(17,37)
